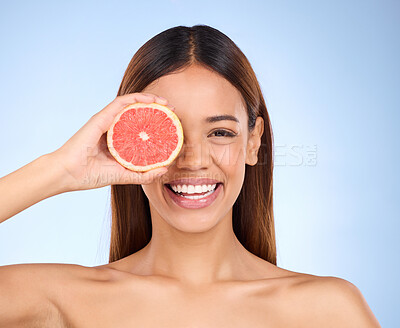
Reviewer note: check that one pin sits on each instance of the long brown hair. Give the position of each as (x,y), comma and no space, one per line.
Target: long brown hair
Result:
(169,51)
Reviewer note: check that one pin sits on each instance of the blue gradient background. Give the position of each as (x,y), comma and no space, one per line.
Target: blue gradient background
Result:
(329,71)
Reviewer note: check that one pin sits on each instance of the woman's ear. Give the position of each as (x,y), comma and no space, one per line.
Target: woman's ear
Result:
(254,142)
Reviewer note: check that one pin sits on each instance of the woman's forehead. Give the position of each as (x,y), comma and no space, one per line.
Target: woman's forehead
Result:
(199,89)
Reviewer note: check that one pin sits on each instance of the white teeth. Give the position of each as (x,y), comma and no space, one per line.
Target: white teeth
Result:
(198,196)
(192,189)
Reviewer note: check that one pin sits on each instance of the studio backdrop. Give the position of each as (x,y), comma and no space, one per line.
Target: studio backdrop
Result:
(330,75)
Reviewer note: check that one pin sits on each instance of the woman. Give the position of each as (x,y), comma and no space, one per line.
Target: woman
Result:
(175,261)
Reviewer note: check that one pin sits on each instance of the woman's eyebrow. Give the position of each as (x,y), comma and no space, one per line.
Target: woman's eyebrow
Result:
(217,118)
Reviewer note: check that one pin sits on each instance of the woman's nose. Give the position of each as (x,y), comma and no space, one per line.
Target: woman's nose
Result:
(194,156)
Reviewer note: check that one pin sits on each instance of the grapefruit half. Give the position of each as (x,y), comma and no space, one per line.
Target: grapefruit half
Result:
(145,136)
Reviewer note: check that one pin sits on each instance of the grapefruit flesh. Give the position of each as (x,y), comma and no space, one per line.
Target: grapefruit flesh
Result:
(145,136)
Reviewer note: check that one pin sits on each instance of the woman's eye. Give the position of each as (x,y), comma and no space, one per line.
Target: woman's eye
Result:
(223,133)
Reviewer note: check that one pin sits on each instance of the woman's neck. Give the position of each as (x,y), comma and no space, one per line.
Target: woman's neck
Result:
(197,258)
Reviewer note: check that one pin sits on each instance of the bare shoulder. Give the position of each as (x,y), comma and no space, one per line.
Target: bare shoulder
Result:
(30,294)
(47,274)
(326,301)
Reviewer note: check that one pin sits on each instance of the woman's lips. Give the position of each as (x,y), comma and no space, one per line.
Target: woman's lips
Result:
(193,203)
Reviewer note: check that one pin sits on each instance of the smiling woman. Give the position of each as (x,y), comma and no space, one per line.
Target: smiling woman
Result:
(194,245)
(213,87)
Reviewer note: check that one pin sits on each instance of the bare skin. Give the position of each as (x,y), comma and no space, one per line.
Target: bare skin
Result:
(194,272)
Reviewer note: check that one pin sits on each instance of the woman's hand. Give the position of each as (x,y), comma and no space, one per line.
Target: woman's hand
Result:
(85,156)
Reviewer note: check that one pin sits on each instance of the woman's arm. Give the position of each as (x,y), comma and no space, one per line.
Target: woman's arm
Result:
(25,300)
(40,179)
(29,292)
(83,162)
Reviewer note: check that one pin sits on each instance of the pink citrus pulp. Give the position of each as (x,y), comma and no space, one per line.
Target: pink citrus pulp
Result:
(145,136)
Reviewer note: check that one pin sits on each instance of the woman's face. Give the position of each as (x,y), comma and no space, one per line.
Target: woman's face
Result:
(217,145)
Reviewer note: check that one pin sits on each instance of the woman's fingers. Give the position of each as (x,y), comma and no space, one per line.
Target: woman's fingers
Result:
(89,146)
(105,117)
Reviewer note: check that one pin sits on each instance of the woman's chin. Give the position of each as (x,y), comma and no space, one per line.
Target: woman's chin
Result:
(193,223)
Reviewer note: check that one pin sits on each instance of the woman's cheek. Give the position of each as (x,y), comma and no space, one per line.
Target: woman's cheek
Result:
(232,154)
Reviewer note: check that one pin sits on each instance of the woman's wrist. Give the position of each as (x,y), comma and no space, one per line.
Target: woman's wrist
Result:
(58,178)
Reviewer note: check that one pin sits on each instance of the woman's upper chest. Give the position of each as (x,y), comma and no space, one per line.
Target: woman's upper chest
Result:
(157,303)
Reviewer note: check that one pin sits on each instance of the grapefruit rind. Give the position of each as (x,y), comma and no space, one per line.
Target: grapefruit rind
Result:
(129,165)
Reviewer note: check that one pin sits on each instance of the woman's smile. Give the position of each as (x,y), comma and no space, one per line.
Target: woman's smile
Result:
(193,194)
